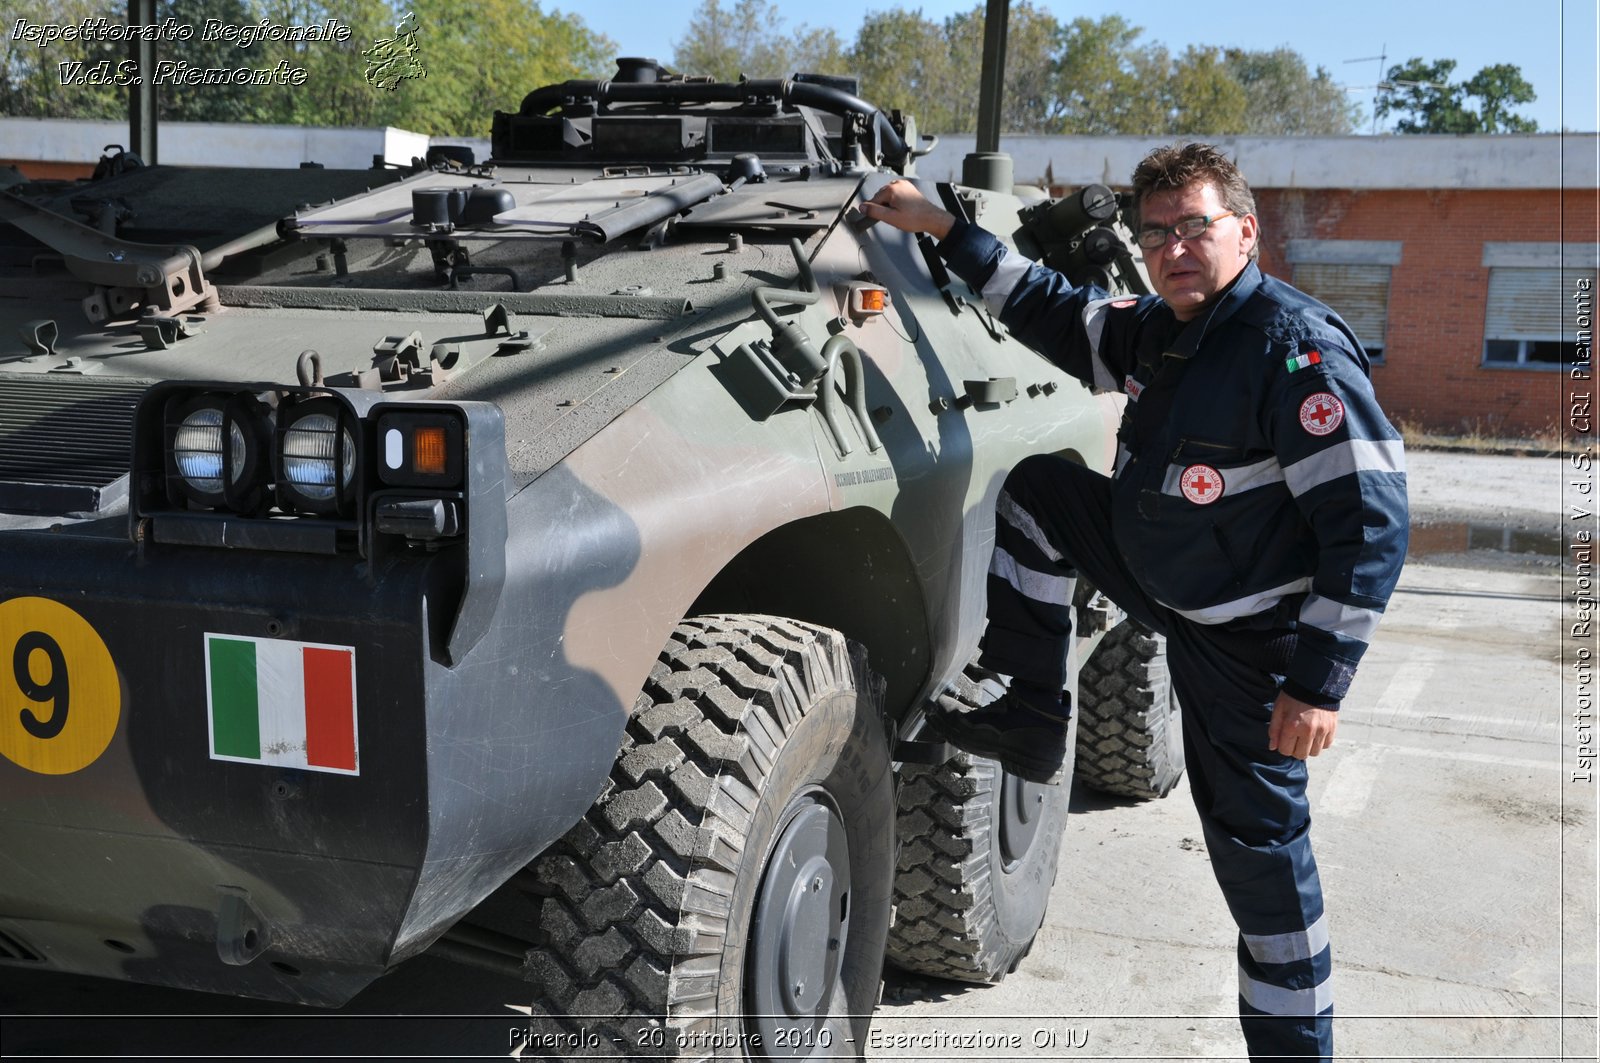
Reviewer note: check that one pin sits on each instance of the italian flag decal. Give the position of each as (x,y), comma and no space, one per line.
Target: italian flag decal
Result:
(291,704)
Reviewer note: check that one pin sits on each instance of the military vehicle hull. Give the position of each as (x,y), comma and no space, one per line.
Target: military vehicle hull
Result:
(391,576)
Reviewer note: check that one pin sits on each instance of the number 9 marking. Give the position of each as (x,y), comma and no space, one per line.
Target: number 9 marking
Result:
(60,698)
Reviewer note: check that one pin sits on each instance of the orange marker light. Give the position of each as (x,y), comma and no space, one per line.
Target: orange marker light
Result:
(428,450)
(866,300)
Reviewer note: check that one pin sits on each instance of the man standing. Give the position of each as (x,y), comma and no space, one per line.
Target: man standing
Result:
(1256,517)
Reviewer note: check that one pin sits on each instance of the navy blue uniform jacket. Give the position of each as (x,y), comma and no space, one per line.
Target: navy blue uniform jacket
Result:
(1272,488)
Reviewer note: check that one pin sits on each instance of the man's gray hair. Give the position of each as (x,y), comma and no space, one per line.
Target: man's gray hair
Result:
(1173,167)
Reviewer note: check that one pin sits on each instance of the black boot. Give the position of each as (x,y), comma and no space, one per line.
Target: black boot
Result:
(1023,727)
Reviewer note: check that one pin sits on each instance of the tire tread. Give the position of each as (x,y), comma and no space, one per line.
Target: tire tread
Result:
(1124,717)
(632,901)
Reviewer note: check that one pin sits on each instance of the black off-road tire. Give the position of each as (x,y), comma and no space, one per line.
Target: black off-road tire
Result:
(978,849)
(1130,728)
(753,736)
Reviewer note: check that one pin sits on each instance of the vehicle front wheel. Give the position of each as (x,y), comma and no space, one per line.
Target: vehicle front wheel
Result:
(728,895)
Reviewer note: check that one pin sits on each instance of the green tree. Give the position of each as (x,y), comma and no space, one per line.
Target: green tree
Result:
(1103,78)
(39,82)
(477,58)
(335,91)
(1033,40)
(904,63)
(486,56)
(1430,103)
(1284,98)
(1499,88)
(1202,95)
(210,103)
(749,39)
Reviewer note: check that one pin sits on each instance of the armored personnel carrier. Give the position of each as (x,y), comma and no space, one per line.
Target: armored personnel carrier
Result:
(542,561)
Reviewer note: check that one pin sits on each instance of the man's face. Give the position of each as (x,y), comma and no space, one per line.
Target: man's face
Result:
(1188,274)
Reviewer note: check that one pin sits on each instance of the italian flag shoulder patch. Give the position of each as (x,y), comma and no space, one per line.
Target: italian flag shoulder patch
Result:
(287,704)
(1302,360)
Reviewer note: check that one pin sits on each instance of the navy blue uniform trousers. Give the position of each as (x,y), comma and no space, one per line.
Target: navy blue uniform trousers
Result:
(1054,522)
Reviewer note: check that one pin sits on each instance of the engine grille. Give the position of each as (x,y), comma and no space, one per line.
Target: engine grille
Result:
(65,443)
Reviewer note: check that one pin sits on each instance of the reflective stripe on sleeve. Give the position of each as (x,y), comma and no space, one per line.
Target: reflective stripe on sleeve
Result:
(1249,605)
(1276,1000)
(1008,273)
(1094,326)
(1023,521)
(1342,459)
(1243,478)
(1039,586)
(1349,620)
(1286,948)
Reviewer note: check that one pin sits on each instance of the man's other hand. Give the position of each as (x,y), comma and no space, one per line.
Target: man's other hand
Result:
(899,204)
(1299,730)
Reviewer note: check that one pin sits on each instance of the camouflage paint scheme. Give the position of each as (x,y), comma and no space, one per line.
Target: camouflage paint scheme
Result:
(638,489)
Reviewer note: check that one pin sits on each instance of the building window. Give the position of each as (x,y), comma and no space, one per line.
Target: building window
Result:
(1359,294)
(1351,277)
(1528,320)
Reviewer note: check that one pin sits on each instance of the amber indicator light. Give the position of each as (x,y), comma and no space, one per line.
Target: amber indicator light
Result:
(428,450)
(872,300)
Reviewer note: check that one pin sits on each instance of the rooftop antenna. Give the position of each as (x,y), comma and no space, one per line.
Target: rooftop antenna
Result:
(1382,57)
(1386,85)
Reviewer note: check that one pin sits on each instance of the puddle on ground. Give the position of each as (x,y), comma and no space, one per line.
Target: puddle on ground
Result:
(1462,537)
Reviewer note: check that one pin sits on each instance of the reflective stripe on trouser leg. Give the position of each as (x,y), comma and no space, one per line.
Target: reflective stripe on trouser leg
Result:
(1053,517)
(1030,590)
(1286,1009)
(1257,822)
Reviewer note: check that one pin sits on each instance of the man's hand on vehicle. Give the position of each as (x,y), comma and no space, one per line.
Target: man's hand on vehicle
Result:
(1299,730)
(899,204)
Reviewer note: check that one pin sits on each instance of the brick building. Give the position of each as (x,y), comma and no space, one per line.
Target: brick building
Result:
(1461,262)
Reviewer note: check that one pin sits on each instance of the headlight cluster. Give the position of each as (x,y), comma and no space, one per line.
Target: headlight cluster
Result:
(309,469)
(315,470)
(301,452)
(240,453)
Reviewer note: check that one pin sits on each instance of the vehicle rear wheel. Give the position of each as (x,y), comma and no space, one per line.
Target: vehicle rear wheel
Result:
(1130,729)
(978,849)
(728,894)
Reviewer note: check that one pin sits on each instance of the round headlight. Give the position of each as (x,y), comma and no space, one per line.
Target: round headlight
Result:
(317,467)
(197,450)
(203,469)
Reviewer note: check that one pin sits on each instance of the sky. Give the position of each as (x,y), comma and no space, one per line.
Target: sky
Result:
(1553,41)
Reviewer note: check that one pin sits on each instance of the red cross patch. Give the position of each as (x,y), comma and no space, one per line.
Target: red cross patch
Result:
(1201,484)
(1321,414)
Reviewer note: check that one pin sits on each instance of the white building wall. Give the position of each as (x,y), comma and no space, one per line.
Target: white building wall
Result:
(211,143)
(1532,160)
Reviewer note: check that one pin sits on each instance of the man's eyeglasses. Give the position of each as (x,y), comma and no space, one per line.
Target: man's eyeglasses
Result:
(1154,236)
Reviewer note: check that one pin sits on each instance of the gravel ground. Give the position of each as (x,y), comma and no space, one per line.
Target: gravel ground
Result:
(1449,486)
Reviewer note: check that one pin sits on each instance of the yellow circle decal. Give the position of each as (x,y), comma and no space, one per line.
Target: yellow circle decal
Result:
(59,695)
